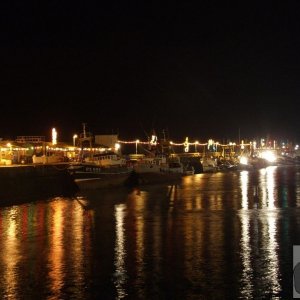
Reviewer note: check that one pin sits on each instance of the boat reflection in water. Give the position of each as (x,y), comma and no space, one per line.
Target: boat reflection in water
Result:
(215,235)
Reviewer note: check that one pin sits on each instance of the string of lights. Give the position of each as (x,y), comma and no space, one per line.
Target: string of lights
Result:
(185,143)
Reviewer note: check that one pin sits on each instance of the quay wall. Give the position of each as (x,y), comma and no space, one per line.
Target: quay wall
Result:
(34,182)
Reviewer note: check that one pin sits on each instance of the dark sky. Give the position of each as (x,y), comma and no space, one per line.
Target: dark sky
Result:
(199,70)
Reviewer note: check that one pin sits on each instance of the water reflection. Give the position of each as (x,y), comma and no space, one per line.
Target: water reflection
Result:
(268,188)
(222,236)
(137,202)
(79,245)
(56,252)
(244,179)
(259,236)
(247,269)
(46,241)
(120,251)
(10,249)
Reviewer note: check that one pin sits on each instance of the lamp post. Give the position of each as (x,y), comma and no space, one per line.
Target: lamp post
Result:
(136,143)
(75,136)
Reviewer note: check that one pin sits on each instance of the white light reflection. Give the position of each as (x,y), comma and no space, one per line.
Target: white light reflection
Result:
(247,270)
(244,186)
(120,252)
(269,229)
(270,186)
(270,245)
(267,182)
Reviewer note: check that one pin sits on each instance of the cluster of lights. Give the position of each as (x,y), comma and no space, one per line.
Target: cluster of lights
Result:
(186,144)
(268,155)
(153,142)
(133,142)
(96,149)
(57,149)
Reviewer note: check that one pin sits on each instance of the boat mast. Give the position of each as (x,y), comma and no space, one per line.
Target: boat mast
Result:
(86,137)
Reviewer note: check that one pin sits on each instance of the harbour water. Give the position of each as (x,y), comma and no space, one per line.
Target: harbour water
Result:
(214,236)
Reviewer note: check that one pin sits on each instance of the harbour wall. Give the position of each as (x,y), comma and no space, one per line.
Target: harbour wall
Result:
(34,182)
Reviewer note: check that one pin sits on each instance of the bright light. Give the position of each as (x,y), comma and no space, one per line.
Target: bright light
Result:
(136,143)
(186,145)
(54,136)
(153,140)
(117,146)
(269,156)
(242,145)
(75,136)
(244,160)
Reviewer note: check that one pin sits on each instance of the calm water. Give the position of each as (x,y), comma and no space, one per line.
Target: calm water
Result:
(215,236)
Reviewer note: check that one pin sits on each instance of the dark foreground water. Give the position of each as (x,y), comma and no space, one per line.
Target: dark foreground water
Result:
(215,236)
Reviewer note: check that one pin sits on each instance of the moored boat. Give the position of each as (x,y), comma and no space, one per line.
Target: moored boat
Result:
(209,164)
(97,168)
(109,169)
(155,170)
(105,165)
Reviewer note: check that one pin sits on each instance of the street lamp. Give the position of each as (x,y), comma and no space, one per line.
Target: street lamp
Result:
(75,136)
(196,143)
(136,143)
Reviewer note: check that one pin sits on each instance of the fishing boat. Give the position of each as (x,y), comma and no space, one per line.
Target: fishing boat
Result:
(107,163)
(188,169)
(209,164)
(109,169)
(104,170)
(97,168)
(156,164)
(156,169)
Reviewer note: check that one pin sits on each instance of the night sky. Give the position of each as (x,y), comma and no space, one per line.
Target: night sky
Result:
(198,70)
